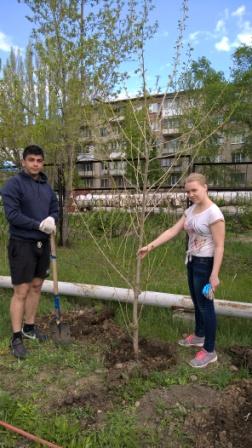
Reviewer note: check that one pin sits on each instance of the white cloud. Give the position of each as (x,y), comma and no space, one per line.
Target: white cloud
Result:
(239,12)
(194,37)
(198,36)
(220,26)
(5,43)
(223,44)
(245,38)
(231,30)
(242,27)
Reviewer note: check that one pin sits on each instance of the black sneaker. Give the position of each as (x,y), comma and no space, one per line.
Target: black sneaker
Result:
(35,334)
(18,349)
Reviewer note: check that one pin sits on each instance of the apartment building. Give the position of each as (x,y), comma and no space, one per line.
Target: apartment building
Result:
(102,159)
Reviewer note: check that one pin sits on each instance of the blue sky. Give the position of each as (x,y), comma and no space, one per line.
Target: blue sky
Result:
(214,29)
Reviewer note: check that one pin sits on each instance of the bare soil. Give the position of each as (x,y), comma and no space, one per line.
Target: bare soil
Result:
(199,416)
(191,415)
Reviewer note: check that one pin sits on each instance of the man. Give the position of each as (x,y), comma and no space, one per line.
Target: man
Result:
(31,208)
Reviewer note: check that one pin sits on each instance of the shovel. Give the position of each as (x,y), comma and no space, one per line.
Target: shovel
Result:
(60,331)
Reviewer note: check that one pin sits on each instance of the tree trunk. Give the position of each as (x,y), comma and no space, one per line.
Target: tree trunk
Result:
(68,192)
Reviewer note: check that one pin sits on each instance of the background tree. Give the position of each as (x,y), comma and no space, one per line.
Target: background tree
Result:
(81,45)
(242,82)
(137,132)
(12,108)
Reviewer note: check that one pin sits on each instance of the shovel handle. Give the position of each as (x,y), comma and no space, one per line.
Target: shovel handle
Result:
(54,265)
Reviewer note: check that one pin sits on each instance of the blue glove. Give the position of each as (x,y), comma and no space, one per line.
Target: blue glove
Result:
(207,291)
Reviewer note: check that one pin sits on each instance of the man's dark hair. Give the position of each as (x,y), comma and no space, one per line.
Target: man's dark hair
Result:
(33,150)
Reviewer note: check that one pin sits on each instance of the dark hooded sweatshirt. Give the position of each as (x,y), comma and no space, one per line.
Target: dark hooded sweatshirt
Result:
(26,203)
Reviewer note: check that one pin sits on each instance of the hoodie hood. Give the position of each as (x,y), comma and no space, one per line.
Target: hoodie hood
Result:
(42,178)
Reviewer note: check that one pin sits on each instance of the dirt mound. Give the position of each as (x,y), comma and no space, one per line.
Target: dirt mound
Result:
(228,424)
(190,415)
(98,326)
(198,416)
(153,355)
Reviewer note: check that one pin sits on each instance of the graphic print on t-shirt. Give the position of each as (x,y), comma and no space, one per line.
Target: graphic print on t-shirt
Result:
(197,226)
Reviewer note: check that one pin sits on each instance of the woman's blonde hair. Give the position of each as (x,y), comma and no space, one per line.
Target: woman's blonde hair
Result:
(198,177)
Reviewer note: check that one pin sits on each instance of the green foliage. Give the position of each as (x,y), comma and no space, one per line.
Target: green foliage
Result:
(241,222)
(26,416)
(214,108)
(118,432)
(242,79)
(112,224)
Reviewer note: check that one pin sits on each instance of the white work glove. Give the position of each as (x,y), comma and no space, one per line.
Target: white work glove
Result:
(48,225)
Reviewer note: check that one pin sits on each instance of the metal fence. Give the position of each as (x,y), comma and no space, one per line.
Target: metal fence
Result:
(230,186)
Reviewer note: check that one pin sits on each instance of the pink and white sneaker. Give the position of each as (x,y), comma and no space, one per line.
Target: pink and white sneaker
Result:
(203,358)
(192,341)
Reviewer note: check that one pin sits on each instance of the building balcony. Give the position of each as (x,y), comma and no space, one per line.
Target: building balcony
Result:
(176,169)
(170,131)
(117,172)
(83,173)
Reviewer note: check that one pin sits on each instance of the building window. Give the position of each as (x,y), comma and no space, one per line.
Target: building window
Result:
(170,125)
(154,107)
(170,108)
(220,139)
(237,139)
(238,178)
(175,178)
(171,146)
(117,167)
(88,183)
(217,158)
(238,157)
(166,163)
(87,166)
(120,182)
(118,109)
(103,132)
(116,129)
(105,183)
(155,125)
(85,132)
(173,123)
(116,145)
(105,165)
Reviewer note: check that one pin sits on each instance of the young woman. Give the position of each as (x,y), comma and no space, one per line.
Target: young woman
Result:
(204,223)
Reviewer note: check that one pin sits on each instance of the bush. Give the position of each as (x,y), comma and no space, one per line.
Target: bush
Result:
(239,223)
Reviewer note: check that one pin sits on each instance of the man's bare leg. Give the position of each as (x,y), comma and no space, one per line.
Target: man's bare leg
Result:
(30,330)
(32,300)
(17,306)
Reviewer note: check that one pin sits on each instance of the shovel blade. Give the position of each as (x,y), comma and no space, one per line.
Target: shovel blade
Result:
(60,332)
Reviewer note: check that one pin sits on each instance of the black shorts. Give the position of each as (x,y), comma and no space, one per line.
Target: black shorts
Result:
(28,259)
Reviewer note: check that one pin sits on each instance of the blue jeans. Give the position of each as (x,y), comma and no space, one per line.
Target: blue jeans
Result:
(199,270)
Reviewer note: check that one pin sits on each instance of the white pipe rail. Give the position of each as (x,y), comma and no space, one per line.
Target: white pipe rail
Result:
(161,299)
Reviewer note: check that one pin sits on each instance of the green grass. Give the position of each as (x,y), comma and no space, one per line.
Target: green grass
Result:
(30,390)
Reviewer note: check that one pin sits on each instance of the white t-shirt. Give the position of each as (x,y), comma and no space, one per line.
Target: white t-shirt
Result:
(197,226)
